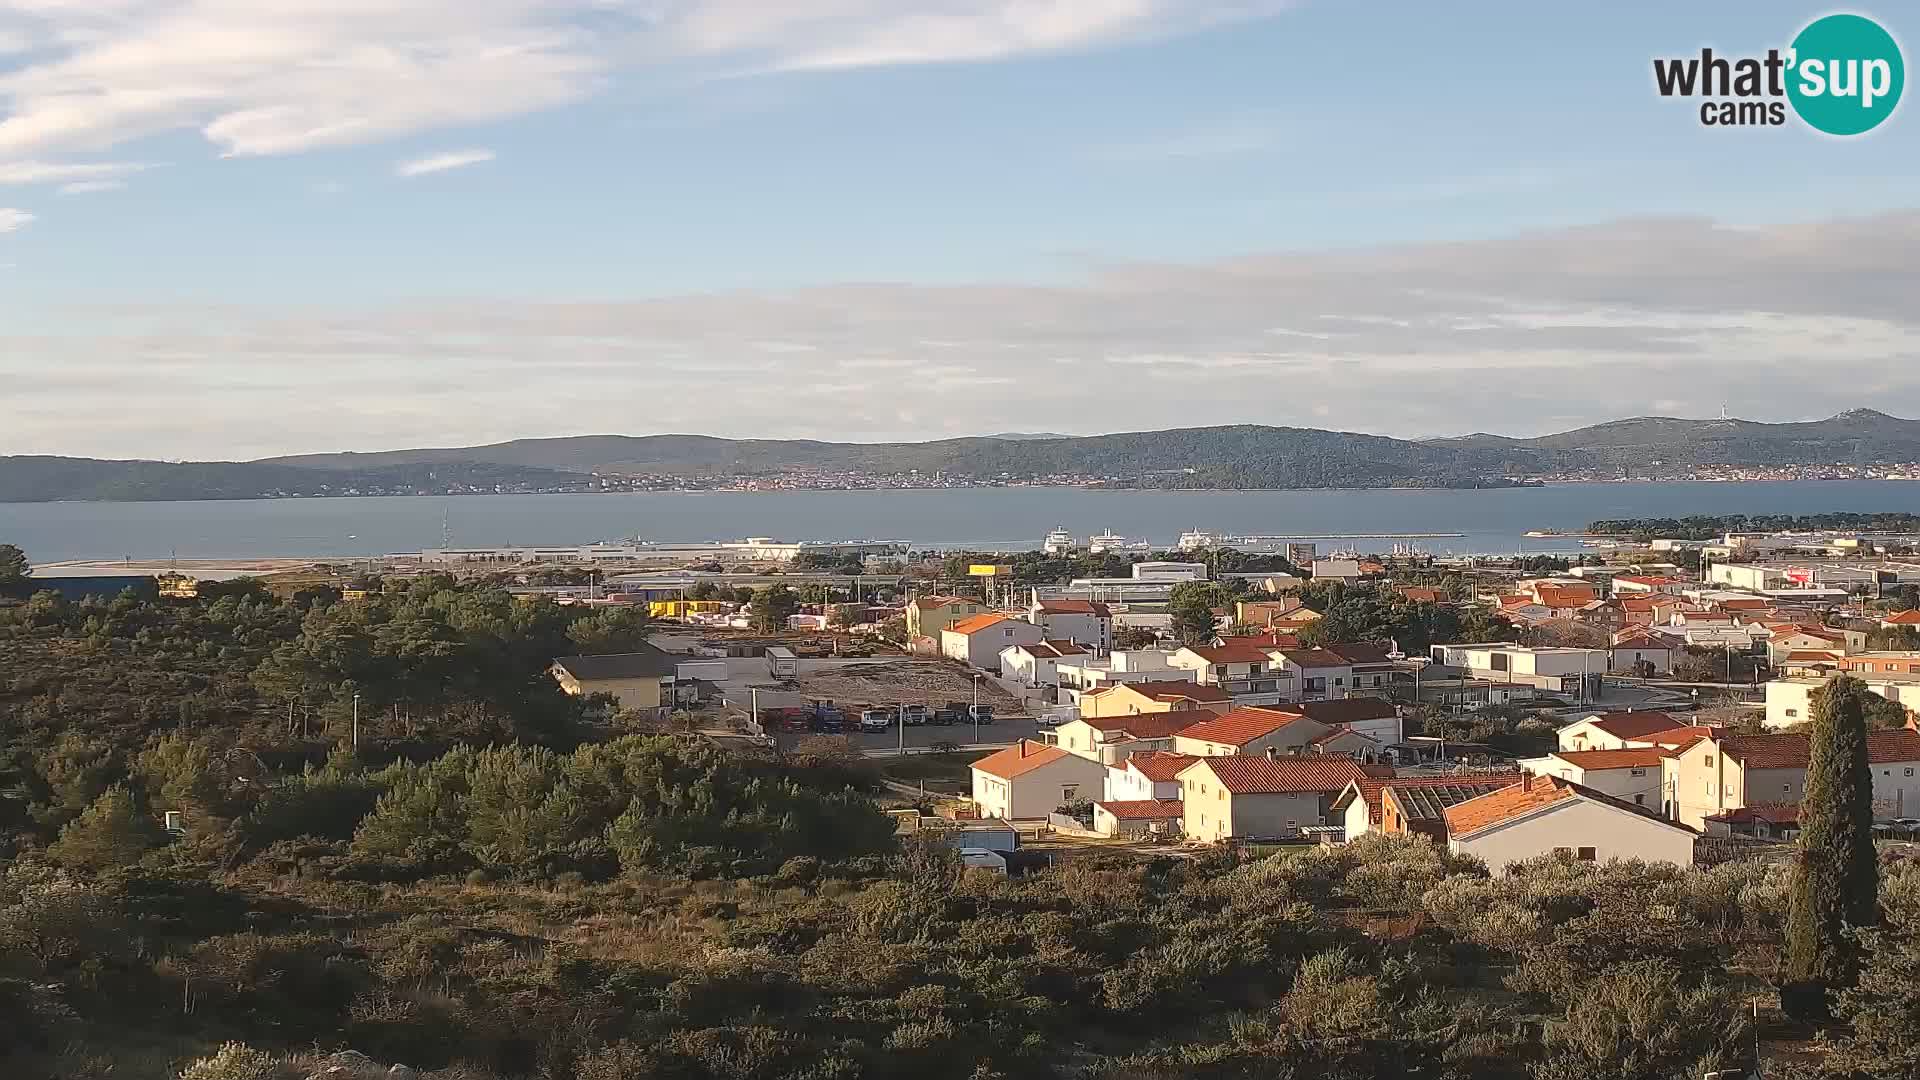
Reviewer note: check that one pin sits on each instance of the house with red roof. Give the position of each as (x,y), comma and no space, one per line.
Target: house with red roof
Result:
(1632,775)
(1320,674)
(1224,798)
(1250,673)
(1030,780)
(1615,730)
(1150,774)
(1250,731)
(1411,804)
(978,640)
(1725,771)
(1083,622)
(1111,740)
(1143,817)
(1153,696)
(1543,815)
(1898,619)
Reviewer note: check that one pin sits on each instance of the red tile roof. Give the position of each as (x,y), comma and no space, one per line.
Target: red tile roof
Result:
(1634,725)
(1160,766)
(1680,737)
(1351,710)
(1642,641)
(1638,758)
(1074,607)
(1021,758)
(1903,618)
(1142,809)
(1315,658)
(1361,652)
(976,623)
(1418,595)
(1772,813)
(1793,751)
(1261,775)
(1242,726)
(1269,639)
(1169,691)
(1153,725)
(1636,603)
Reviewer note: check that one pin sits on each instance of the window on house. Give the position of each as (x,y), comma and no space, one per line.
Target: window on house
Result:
(1793,712)
(1786,789)
(1588,854)
(1709,760)
(1223,796)
(1563,851)
(1068,792)
(1909,772)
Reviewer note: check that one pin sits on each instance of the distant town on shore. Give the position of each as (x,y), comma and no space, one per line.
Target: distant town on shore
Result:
(1859,444)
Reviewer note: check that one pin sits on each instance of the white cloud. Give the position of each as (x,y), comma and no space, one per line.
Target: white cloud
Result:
(89,187)
(1518,335)
(67,172)
(458,159)
(11,219)
(257,77)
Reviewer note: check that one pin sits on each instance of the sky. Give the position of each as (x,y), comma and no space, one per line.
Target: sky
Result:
(237,228)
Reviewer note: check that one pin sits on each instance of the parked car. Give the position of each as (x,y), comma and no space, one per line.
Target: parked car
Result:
(875,720)
(1056,715)
(914,715)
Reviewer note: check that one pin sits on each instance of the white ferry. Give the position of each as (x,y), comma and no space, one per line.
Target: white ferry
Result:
(1200,540)
(1058,542)
(1107,541)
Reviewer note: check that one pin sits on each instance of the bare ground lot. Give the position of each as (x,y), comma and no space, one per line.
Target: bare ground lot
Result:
(900,682)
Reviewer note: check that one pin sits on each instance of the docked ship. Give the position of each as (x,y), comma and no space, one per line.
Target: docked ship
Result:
(1200,540)
(1105,542)
(1058,542)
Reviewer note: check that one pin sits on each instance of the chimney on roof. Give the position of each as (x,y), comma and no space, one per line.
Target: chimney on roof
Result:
(1023,747)
(1273,753)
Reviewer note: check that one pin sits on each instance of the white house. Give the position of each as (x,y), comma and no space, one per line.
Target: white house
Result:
(1154,774)
(978,641)
(1790,700)
(1632,775)
(1542,815)
(1083,622)
(1616,730)
(1319,674)
(1038,664)
(1028,780)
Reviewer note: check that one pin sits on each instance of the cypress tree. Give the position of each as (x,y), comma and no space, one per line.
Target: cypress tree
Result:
(1836,881)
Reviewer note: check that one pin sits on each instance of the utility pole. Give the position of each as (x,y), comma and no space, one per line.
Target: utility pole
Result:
(975,711)
(356,721)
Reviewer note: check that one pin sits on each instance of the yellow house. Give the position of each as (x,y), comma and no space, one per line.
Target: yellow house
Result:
(929,615)
(1133,699)
(640,681)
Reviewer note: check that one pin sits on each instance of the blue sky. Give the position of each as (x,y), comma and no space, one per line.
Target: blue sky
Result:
(905,218)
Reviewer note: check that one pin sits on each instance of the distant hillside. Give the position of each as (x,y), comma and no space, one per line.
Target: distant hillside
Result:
(1231,457)
(1862,436)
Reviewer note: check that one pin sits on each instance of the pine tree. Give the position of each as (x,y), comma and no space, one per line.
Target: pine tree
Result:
(112,832)
(1836,881)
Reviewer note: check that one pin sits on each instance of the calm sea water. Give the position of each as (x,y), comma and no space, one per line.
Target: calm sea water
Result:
(1492,521)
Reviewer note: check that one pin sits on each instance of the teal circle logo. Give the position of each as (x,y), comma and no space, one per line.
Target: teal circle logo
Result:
(1846,74)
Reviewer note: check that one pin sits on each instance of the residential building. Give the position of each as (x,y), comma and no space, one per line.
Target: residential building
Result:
(1120,666)
(1247,672)
(1149,774)
(1788,638)
(1264,613)
(1724,772)
(1411,804)
(1868,664)
(1250,731)
(1132,699)
(1753,578)
(1083,622)
(1630,775)
(1374,665)
(1141,818)
(641,681)
(1542,815)
(1562,671)
(1029,780)
(978,641)
(1790,699)
(1640,652)
(1259,796)
(1375,717)
(1899,619)
(929,615)
(1320,674)
(1616,730)
(1763,821)
(1113,740)
(1038,664)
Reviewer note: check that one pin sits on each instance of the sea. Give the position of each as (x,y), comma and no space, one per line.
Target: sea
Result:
(1486,521)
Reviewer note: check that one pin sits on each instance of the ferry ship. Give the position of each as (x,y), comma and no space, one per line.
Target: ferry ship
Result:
(1105,542)
(1200,540)
(1058,542)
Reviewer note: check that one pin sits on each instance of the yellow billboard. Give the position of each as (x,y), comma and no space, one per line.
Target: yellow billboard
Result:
(989,570)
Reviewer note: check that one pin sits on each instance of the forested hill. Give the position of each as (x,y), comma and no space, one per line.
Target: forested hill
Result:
(1237,456)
